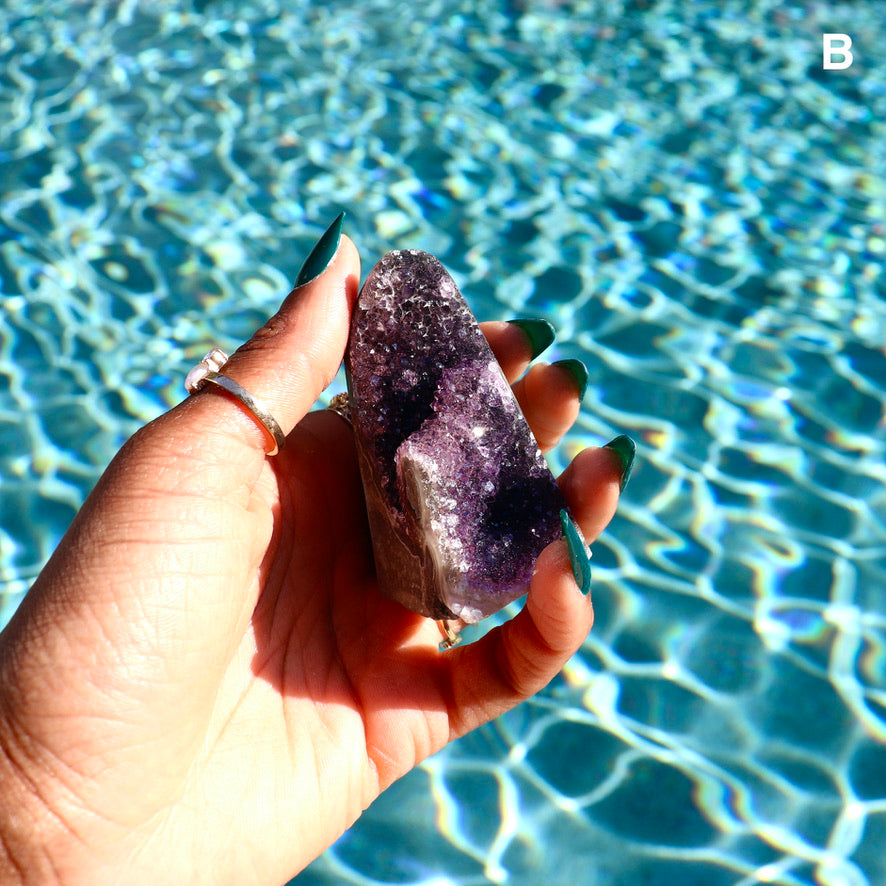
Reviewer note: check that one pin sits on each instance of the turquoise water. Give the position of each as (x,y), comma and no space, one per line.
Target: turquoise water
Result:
(697,207)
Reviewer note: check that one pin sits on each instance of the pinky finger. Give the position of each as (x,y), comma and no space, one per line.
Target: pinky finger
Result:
(518,659)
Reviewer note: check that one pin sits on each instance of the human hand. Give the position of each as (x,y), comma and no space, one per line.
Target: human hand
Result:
(204,685)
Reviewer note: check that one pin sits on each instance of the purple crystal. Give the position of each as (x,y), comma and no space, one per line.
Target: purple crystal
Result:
(459,497)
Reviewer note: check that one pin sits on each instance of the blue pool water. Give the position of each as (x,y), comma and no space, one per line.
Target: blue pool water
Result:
(699,209)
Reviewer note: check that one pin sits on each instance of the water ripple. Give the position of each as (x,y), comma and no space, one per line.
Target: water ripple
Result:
(692,203)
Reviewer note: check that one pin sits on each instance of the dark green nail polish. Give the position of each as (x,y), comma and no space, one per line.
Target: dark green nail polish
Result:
(539,332)
(625,448)
(578,555)
(322,253)
(578,371)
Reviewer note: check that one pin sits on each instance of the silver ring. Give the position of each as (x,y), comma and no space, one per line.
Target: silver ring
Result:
(207,372)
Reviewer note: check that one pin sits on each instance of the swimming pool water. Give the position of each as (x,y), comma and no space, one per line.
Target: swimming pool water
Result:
(699,209)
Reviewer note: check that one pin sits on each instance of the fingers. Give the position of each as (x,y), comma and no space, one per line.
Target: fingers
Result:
(591,485)
(521,657)
(550,398)
(549,395)
(513,346)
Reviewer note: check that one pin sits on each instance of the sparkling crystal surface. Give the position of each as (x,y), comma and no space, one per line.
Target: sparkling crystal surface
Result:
(459,497)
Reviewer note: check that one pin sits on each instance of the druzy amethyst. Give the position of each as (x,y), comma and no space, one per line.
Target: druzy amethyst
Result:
(459,497)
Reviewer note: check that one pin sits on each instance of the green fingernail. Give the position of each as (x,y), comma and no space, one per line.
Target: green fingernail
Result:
(539,332)
(578,553)
(625,448)
(578,371)
(322,253)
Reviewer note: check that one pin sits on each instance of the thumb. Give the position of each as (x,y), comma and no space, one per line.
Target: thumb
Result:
(150,577)
(292,358)
(296,354)
(174,502)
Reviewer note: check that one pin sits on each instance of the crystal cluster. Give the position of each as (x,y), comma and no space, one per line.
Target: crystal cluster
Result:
(459,497)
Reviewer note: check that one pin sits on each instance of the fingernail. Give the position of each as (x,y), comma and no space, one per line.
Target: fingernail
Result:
(539,332)
(625,448)
(578,371)
(578,553)
(322,253)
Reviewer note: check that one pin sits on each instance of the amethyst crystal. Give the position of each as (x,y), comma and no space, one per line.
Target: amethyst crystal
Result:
(460,499)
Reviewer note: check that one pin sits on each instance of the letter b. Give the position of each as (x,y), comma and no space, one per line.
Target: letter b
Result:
(836,44)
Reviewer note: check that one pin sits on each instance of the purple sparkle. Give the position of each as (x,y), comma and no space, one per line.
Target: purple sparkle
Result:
(459,497)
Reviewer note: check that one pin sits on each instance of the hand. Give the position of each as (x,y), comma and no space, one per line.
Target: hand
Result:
(205,685)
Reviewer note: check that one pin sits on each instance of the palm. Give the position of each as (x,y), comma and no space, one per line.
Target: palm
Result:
(324,632)
(329,669)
